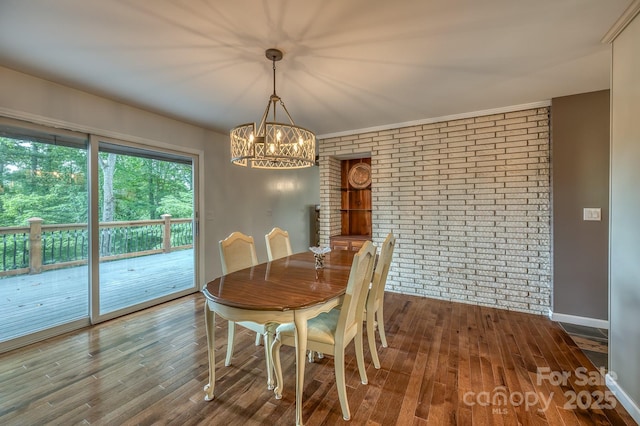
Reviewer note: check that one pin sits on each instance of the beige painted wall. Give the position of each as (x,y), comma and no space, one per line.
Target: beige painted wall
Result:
(231,198)
(624,242)
(254,201)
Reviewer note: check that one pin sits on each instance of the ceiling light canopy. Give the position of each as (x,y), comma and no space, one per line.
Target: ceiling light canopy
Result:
(273,145)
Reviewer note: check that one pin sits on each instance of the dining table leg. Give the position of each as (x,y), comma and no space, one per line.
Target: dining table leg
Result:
(300,321)
(210,323)
(268,342)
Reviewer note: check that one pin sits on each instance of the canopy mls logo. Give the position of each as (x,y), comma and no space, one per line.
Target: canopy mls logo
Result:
(500,398)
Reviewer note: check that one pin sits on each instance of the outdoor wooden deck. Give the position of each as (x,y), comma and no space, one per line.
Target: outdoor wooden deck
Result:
(30,303)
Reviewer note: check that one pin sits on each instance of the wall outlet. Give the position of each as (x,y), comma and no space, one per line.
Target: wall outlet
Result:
(592,213)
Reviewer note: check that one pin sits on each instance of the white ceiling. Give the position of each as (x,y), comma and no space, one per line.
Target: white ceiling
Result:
(349,64)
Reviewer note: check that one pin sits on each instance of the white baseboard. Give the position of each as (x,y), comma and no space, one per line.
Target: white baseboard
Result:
(573,319)
(631,407)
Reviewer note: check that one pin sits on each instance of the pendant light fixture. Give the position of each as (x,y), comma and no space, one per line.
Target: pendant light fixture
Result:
(273,145)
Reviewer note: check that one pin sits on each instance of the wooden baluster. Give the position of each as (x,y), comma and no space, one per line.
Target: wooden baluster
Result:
(35,245)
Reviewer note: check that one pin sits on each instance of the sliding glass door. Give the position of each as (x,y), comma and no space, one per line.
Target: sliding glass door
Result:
(146,226)
(90,228)
(43,230)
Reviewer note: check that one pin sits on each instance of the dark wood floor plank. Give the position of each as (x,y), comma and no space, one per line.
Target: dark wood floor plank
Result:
(428,380)
(465,412)
(524,365)
(412,392)
(549,363)
(540,386)
(431,340)
(394,356)
(150,368)
(451,377)
(572,360)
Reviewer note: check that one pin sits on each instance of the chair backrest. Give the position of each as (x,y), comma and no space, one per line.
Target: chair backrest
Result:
(237,251)
(278,244)
(382,270)
(357,289)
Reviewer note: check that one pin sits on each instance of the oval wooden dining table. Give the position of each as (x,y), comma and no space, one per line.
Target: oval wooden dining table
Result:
(285,290)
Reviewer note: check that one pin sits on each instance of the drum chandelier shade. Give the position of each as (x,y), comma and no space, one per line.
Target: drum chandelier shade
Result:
(273,145)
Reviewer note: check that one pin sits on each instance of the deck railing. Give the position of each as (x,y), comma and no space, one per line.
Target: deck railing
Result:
(38,247)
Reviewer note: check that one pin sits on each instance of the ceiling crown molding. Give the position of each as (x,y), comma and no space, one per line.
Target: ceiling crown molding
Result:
(461,116)
(622,22)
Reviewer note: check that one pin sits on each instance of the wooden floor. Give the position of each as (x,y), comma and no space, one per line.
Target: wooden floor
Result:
(593,341)
(446,364)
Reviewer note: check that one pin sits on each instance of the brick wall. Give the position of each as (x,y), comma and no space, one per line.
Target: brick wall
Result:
(468,201)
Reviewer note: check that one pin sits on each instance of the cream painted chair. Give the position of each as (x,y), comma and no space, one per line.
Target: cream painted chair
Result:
(278,244)
(375,300)
(332,331)
(238,251)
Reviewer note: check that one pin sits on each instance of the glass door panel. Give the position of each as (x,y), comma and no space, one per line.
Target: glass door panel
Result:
(146,231)
(43,230)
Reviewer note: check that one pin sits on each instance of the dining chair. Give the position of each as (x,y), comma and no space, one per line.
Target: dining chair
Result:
(238,251)
(375,300)
(278,244)
(332,331)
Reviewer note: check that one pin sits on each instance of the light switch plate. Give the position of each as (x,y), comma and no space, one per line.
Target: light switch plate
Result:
(592,213)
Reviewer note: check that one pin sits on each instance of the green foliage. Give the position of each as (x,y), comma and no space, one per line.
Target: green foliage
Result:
(49,181)
(54,207)
(179,205)
(41,180)
(141,185)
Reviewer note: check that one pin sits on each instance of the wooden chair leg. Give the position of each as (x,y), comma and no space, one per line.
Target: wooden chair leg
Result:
(258,339)
(371,338)
(380,317)
(340,382)
(360,356)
